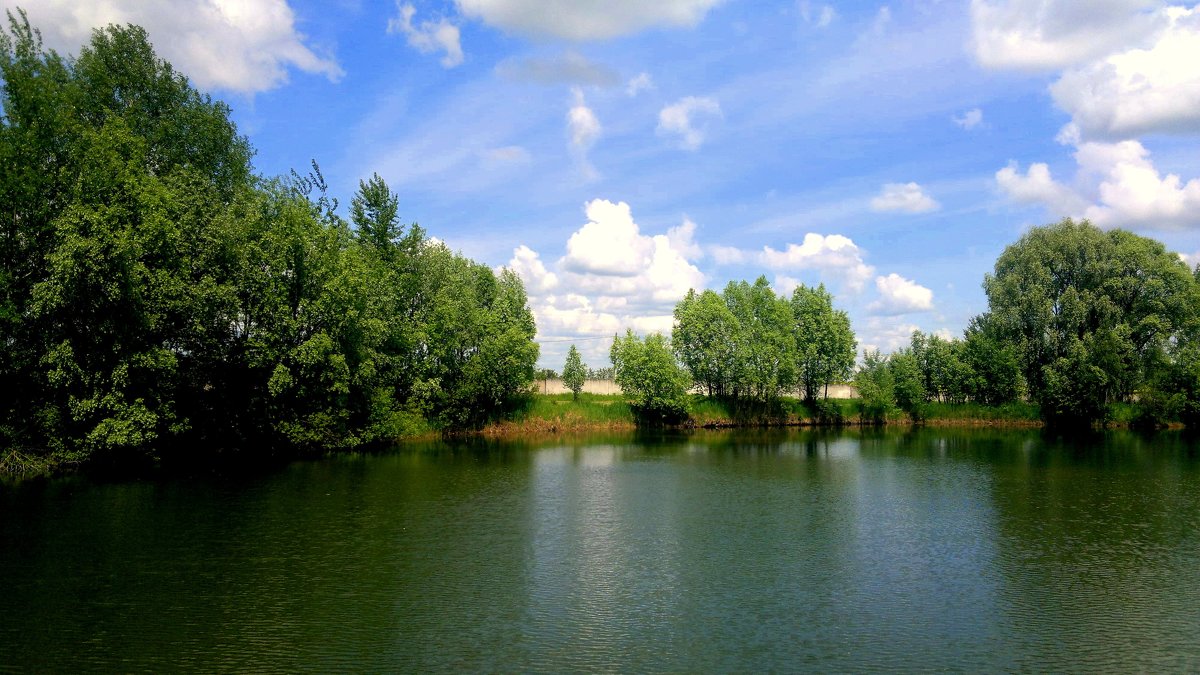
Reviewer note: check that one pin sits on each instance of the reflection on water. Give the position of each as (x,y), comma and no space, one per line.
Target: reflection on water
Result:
(960,549)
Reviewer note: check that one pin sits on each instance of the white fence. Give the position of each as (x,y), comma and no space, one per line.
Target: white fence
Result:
(556,386)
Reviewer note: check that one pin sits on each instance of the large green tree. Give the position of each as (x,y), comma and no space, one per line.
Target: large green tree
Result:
(647,372)
(824,343)
(1090,314)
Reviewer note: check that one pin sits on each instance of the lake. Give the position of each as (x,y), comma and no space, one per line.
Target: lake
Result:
(959,549)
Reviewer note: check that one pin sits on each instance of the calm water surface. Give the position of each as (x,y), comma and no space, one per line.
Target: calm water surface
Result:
(963,550)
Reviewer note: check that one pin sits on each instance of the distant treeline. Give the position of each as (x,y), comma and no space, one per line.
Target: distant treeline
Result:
(1078,319)
(158,297)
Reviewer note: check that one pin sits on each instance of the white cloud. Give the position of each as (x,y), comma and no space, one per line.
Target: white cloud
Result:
(569,68)
(244,46)
(528,265)
(1129,190)
(609,244)
(727,255)
(612,277)
(429,37)
(1192,259)
(505,156)
(1055,34)
(883,17)
(1037,186)
(884,334)
(904,197)
(1139,90)
(583,128)
(582,20)
(639,83)
(820,17)
(680,119)
(970,119)
(682,238)
(834,254)
(898,295)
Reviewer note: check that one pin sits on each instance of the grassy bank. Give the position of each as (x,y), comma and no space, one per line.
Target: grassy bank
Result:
(559,413)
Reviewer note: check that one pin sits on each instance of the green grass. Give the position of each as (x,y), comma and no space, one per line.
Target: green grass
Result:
(597,409)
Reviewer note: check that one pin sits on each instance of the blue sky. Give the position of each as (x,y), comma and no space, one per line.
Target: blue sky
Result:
(618,152)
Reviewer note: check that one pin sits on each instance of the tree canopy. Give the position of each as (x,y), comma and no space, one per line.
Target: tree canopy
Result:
(153,290)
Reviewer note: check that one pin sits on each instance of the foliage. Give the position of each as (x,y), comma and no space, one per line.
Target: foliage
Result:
(824,343)
(153,291)
(1090,314)
(906,378)
(574,372)
(647,372)
(748,344)
(876,389)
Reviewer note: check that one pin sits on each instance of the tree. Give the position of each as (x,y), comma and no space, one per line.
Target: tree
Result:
(906,382)
(824,343)
(646,370)
(1080,305)
(876,388)
(574,372)
(703,339)
(374,211)
(763,359)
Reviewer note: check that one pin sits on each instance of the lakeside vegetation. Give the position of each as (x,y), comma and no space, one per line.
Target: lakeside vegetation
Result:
(158,299)
(564,413)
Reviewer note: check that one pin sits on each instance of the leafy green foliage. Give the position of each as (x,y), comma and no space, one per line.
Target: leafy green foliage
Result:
(647,372)
(574,372)
(153,291)
(1090,314)
(824,343)
(748,344)
(876,388)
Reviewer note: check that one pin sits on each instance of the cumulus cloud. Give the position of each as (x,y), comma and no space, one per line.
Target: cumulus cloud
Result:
(1055,34)
(898,295)
(685,117)
(970,119)
(903,197)
(1037,186)
(612,277)
(834,255)
(583,128)
(580,21)
(569,68)
(1127,65)
(639,83)
(1129,190)
(884,334)
(1192,259)
(610,243)
(528,265)
(682,238)
(1139,90)
(247,46)
(429,36)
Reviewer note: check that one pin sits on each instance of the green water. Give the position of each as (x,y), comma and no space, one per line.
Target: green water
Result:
(963,550)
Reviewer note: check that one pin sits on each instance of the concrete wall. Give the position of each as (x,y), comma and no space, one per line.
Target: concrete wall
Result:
(556,386)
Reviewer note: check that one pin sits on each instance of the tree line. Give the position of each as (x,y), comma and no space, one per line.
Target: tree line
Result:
(1079,319)
(156,295)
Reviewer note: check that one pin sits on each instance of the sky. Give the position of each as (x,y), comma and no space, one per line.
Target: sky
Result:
(616,153)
